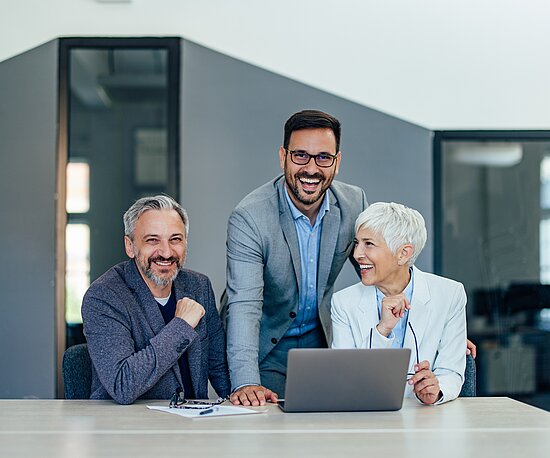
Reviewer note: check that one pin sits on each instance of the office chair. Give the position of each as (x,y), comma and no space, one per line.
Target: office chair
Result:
(77,372)
(469,387)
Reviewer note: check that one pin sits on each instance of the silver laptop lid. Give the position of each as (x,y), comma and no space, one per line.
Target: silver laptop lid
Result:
(331,380)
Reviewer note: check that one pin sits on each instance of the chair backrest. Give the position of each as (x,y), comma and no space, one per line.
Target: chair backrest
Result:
(469,387)
(77,372)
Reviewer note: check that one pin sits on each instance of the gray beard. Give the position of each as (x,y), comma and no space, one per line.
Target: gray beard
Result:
(161,282)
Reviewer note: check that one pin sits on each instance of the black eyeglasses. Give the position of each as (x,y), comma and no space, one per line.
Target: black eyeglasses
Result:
(409,375)
(302,158)
(178,402)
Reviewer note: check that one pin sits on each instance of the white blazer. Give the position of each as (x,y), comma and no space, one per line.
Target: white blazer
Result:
(437,316)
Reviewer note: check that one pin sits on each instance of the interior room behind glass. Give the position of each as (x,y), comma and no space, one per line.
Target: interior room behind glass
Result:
(118,152)
(495,220)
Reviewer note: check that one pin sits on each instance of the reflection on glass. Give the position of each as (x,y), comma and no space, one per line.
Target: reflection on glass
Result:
(545,220)
(496,241)
(545,183)
(77,279)
(544,319)
(545,251)
(493,154)
(78,187)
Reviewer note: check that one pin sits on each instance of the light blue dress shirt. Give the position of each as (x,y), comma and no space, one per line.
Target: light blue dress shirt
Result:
(309,240)
(401,327)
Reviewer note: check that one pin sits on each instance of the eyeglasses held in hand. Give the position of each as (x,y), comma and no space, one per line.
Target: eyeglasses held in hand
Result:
(178,402)
(300,157)
(409,375)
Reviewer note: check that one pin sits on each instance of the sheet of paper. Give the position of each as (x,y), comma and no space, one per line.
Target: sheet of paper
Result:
(218,411)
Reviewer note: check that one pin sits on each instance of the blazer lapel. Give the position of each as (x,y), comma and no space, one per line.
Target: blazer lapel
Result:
(149,306)
(367,318)
(289,231)
(329,235)
(418,316)
(144,298)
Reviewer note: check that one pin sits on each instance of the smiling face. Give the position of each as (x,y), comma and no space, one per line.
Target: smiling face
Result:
(380,267)
(308,183)
(159,247)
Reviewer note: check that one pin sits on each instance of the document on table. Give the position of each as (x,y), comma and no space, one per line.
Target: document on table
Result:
(216,411)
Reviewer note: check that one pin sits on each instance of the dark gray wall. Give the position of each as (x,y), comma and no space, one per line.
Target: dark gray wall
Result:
(28,129)
(232,126)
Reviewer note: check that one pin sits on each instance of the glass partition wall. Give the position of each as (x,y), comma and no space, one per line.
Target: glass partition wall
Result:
(118,141)
(493,234)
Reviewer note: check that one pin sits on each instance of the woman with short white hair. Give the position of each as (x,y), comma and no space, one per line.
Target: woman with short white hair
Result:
(396,305)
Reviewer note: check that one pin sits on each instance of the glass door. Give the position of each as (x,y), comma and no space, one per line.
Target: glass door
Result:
(119,120)
(493,221)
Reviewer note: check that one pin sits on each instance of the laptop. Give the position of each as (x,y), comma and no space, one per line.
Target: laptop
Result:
(345,380)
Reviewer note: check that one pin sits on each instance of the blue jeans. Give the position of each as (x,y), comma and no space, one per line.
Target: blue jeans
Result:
(273,366)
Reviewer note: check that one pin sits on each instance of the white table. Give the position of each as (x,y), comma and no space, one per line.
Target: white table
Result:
(467,427)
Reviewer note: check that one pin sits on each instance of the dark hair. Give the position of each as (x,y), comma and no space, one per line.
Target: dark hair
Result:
(311,119)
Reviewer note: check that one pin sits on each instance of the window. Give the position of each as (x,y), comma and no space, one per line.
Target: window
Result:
(78,187)
(77,276)
(77,239)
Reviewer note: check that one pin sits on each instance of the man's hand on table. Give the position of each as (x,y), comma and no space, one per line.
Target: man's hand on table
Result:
(253,395)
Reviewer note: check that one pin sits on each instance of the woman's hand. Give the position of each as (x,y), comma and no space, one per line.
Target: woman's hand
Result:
(471,348)
(426,385)
(393,309)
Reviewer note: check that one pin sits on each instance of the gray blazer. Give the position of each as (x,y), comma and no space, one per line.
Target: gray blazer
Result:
(263,270)
(134,354)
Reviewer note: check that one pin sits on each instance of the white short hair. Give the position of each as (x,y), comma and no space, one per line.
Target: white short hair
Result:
(396,224)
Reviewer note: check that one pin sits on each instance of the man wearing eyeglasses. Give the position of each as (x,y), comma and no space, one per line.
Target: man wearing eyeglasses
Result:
(152,326)
(286,243)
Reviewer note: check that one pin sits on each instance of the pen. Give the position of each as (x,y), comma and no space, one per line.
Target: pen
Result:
(207,411)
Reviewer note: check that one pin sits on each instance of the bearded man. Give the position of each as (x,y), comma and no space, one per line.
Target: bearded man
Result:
(152,326)
(286,243)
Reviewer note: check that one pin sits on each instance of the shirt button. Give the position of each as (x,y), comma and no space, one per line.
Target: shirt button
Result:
(274,340)
(292,314)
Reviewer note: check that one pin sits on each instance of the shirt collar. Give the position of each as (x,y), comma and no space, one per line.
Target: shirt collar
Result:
(298,214)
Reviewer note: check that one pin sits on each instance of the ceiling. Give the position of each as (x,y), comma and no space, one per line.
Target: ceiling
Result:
(441,64)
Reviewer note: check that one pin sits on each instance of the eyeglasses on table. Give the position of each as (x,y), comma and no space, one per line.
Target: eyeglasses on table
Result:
(177,401)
